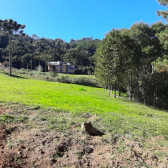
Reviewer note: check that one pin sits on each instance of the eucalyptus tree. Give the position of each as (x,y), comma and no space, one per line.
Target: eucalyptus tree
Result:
(11,28)
(39,48)
(18,50)
(110,60)
(47,56)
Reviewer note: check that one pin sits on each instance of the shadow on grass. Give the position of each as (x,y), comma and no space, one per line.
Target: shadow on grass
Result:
(15,76)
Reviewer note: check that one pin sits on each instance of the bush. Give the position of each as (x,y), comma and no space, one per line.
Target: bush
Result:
(76,80)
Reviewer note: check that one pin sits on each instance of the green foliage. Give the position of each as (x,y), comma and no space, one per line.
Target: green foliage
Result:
(124,59)
(82,89)
(161,64)
(11,28)
(28,52)
(163,13)
(7,118)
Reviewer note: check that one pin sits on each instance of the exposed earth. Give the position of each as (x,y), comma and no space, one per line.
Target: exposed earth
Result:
(24,147)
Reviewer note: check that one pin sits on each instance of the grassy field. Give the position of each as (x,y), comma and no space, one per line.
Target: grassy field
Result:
(116,116)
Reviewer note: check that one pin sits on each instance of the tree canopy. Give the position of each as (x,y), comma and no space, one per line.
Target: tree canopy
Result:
(10,28)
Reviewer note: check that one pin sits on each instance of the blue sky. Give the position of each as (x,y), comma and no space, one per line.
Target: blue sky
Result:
(76,19)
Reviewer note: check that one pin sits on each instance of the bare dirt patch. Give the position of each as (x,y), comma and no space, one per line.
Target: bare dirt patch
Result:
(4,110)
(24,147)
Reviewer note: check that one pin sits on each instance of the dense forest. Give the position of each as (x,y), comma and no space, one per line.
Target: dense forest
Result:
(136,60)
(29,52)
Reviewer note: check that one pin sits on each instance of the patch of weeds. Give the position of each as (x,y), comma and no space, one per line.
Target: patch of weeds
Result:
(86,115)
(113,158)
(142,164)
(59,123)
(7,118)
(30,124)
(120,149)
(88,150)
(20,140)
(18,159)
(147,145)
(127,158)
(82,89)
(100,153)
(72,123)
(128,136)
(79,153)
(163,143)
(43,118)
(160,154)
(9,145)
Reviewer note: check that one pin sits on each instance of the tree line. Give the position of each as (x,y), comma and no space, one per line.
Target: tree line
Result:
(135,60)
(30,51)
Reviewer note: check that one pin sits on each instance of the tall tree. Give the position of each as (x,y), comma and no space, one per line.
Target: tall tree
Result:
(11,28)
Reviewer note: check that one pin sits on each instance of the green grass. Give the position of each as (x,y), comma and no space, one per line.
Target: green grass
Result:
(6,118)
(117,116)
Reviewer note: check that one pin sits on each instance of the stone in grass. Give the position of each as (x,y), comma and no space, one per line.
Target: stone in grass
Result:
(87,126)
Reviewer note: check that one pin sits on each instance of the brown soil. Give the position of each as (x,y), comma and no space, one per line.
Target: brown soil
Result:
(27,148)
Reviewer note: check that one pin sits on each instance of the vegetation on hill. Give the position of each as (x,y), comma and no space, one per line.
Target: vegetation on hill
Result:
(128,58)
(31,51)
(118,116)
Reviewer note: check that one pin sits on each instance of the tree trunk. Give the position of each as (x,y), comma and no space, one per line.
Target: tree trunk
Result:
(145,89)
(155,91)
(109,87)
(27,65)
(130,86)
(137,78)
(114,89)
(10,59)
(45,66)
(31,63)
(152,68)
(119,94)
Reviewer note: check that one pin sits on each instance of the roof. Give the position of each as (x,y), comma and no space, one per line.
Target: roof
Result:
(5,62)
(71,67)
(58,63)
